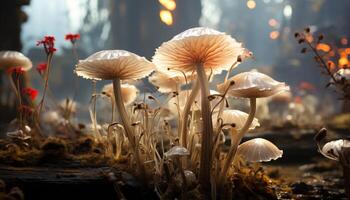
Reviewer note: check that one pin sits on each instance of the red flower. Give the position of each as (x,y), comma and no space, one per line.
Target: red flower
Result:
(15,70)
(30,92)
(49,44)
(41,68)
(72,37)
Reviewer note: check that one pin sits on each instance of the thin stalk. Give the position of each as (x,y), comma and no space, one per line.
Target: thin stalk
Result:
(186,112)
(127,125)
(17,92)
(233,149)
(207,134)
(47,73)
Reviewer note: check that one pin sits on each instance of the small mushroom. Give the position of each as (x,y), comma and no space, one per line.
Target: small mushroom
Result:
(332,149)
(177,151)
(259,150)
(129,92)
(166,83)
(236,117)
(14,59)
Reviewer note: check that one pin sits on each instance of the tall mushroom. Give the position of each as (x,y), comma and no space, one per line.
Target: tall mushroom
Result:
(117,65)
(199,50)
(252,85)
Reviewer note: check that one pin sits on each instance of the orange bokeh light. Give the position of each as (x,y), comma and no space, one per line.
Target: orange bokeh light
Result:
(323,47)
(274,35)
(168,4)
(251,4)
(166,17)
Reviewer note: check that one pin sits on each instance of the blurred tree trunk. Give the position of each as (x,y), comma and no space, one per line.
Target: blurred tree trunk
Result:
(11,18)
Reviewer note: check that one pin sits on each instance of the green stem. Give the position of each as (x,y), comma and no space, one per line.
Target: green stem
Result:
(186,112)
(207,134)
(232,152)
(127,125)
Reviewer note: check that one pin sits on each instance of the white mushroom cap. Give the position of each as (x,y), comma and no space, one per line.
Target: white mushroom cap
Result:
(342,73)
(237,117)
(333,148)
(177,151)
(253,84)
(182,101)
(166,83)
(217,51)
(14,59)
(112,64)
(259,150)
(129,92)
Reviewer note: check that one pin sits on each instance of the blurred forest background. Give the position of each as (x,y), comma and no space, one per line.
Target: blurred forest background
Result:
(266,27)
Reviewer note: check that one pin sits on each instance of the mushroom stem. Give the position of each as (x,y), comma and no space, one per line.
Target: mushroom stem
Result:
(126,123)
(185,113)
(232,152)
(207,134)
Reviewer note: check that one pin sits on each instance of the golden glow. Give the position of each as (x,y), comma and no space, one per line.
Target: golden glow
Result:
(323,47)
(251,4)
(343,61)
(168,4)
(274,35)
(273,22)
(166,17)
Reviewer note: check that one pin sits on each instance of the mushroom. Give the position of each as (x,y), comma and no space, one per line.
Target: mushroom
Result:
(259,150)
(117,65)
(202,50)
(129,92)
(332,149)
(237,118)
(14,59)
(177,152)
(166,83)
(250,85)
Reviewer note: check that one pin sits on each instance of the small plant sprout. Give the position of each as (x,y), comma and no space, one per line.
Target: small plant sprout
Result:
(203,51)
(250,85)
(118,65)
(259,150)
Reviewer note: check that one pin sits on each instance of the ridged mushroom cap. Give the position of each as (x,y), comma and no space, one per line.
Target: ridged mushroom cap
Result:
(166,83)
(253,84)
(259,150)
(177,151)
(129,92)
(333,148)
(237,117)
(14,59)
(112,64)
(217,51)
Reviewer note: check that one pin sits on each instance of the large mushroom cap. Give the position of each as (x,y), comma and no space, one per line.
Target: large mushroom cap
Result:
(177,151)
(215,50)
(14,59)
(333,148)
(253,84)
(236,117)
(112,64)
(129,92)
(259,150)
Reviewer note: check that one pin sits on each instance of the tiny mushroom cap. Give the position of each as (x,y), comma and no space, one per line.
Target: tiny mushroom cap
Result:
(259,150)
(112,64)
(166,83)
(236,117)
(215,50)
(342,74)
(14,59)
(253,84)
(333,148)
(177,151)
(129,92)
